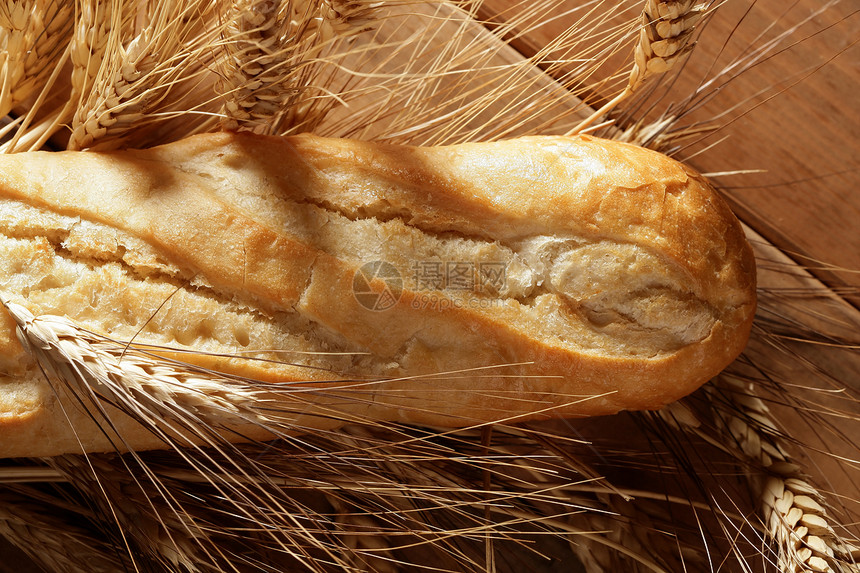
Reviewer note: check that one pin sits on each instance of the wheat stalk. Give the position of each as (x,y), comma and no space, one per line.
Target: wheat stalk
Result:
(793,510)
(665,32)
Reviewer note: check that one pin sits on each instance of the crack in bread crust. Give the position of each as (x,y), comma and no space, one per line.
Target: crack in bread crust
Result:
(347,229)
(91,280)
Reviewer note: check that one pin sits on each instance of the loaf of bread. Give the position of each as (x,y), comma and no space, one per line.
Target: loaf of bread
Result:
(239,287)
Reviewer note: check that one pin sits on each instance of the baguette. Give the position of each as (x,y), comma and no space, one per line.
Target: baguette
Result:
(277,286)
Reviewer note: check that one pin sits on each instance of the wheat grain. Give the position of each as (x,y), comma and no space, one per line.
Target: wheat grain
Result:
(793,510)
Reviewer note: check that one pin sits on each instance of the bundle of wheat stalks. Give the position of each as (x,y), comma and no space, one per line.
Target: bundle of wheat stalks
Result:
(732,478)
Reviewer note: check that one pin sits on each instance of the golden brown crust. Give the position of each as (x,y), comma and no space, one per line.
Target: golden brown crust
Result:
(628,282)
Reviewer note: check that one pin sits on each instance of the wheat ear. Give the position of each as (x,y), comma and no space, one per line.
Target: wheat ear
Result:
(88,46)
(128,55)
(55,543)
(364,552)
(153,529)
(175,403)
(184,408)
(617,525)
(666,28)
(258,80)
(88,25)
(793,510)
(33,34)
(104,94)
(348,17)
(272,57)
